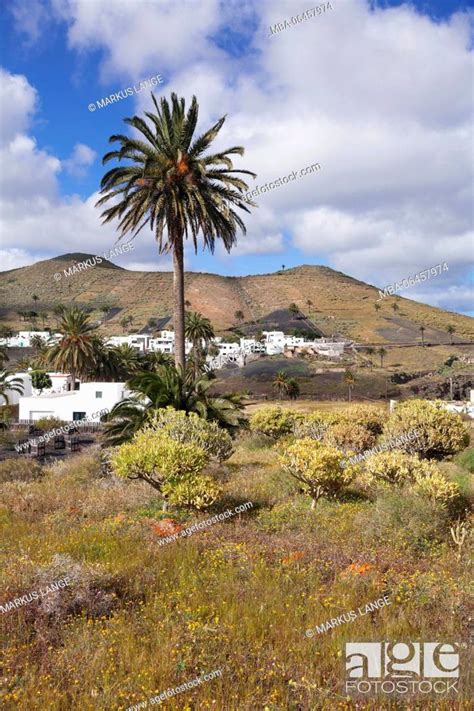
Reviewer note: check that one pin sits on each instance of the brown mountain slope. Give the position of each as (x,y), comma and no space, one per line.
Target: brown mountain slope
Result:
(340,304)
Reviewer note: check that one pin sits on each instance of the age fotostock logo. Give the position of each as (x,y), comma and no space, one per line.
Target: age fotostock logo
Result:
(401,667)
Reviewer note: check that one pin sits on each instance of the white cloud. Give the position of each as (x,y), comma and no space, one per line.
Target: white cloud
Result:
(81,158)
(18,100)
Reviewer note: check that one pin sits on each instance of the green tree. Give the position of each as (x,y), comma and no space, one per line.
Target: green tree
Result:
(280,383)
(74,352)
(370,352)
(377,306)
(395,307)
(382,353)
(35,298)
(293,309)
(239,316)
(198,328)
(8,382)
(451,330)
(40,380)
(175,188)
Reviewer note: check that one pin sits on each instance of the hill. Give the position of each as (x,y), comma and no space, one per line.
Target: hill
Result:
(332,303)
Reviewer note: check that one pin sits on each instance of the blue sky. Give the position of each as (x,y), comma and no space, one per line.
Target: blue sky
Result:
(377,93)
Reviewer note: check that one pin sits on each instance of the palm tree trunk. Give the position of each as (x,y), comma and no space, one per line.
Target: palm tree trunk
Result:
(178,292)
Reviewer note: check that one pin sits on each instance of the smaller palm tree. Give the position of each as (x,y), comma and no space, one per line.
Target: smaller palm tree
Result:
(35,298)
(451,330)
(280,383)
(349,379)
(7,382)
(382,353)
(422,331)
(293,389)
(377,306)
(198,329)
(395,308)
(293,309)
(75,352)
(370,352)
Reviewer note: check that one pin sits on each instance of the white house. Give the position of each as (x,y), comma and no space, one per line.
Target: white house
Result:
(71,406)
(23,338)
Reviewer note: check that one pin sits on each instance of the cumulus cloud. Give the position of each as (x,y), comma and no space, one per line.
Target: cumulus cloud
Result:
(81,158)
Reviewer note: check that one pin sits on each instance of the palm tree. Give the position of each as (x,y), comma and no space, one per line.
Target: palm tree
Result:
(382,353)
(349,379)
(280,383)
(43,316)
(35,298)
(3,355)
(74,353)
(370,352)
(422,331)
(7,382)
(153,359)
(293,389)
(174,187)
(377,306)
(198,328)
(166,387)
(293,309)
(451,330)
(309,303)
(239,316)
(37,342)
(395,307)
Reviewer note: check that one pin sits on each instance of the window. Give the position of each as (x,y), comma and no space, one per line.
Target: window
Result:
(78,416)
(98,393)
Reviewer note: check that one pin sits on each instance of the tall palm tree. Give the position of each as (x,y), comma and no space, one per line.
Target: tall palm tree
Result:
(395,307)
(377,306)
(370,352)
(451,330)
(280,383)
(349,379)
(7,382)
(197,328)
(293,309)
(382,353)
(422,331)
(176,189)
(74,352)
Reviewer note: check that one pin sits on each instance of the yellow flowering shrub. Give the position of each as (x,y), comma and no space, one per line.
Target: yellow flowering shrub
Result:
(314,425)
(439,432)
(367,416)
(401,469)
(349,435)
(191,429)
(275,422)
(317,467)
(199,492)
(162,462)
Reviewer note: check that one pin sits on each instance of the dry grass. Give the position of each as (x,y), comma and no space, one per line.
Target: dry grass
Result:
(239,596)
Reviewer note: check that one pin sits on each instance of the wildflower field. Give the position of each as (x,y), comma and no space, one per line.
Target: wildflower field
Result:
(245,595)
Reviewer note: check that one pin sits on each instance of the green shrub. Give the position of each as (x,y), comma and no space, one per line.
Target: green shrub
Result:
(191,429)
(19,470)
(165,464)
(274,422)
(317,467)
(406,520)
(466,459)
(439,432)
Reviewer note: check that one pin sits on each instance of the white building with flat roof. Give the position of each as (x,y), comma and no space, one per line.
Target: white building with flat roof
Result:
(70,406)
